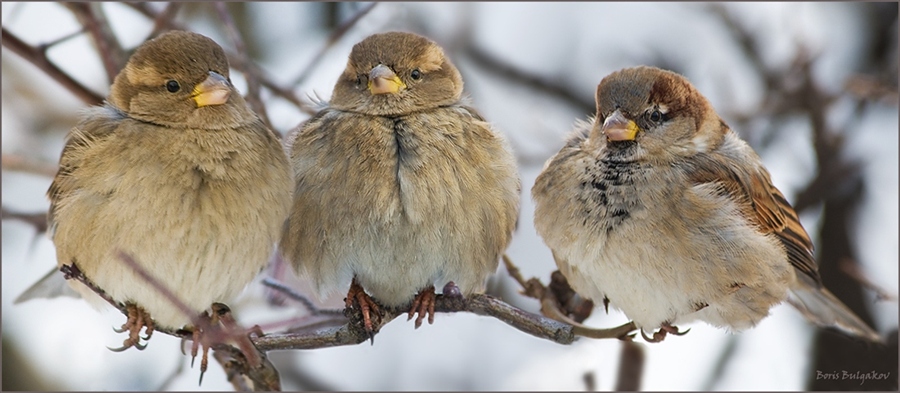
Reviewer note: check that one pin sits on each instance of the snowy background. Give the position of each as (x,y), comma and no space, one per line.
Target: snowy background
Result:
(61,343)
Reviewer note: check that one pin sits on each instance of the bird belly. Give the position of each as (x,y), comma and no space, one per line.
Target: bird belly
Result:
(661,263)
(202,238)
(411,213)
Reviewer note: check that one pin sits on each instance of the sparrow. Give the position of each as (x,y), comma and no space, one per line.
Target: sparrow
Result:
(176,171)
(658,208)
(399,183)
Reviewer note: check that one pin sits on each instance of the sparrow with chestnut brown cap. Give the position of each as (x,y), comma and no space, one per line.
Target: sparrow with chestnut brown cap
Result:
(399,183)
(658,208)
(176,171)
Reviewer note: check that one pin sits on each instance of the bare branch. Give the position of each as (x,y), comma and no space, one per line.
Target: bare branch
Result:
(38,57)
(20,163)
(271,283)
(550,88)
(37,220)
(590,381)
(163,19)
(242,375)
(552,308)
(853,270)
(91,16)
(332,39)
(631,367)
(241,62)
(867,88)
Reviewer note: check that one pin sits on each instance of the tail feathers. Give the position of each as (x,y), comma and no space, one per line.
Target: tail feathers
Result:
(822,308)
(52,285)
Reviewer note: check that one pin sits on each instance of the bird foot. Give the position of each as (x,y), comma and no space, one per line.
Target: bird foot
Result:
(423,304)
(138,319)
(357,297)
(217,328)
(664,330)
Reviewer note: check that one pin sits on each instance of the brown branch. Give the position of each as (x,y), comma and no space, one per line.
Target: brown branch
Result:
(161,20)
(868,88)
(242,375)
(547,87)
(241,62)
(354,333)
(590,381)
(310,307)
(38,57)
(20,163)
(852,269)
(332,39)
(631,367)
(552,308)
(217,330)
(37,220)
(91,16)
(253,366)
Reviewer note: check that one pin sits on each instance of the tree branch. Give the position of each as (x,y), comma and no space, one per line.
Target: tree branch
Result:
(38,57)
(91,16)
(507,71)
(241,62)
(37,220)
(332,39)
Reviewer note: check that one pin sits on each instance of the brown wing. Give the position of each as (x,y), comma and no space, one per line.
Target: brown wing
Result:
(99,123)
(762,203)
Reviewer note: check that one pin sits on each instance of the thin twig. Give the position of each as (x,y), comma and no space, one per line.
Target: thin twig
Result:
(551,307)
(37,220)
(92,17)
(21,163)
(241,62)
(868,88)
(332,39)
(853,270)
(507,71)
(291,293)
(162,20)
(38,57)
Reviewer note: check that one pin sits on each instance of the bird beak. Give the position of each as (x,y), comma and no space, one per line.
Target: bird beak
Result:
(383,80)
(214,90)
(618,128)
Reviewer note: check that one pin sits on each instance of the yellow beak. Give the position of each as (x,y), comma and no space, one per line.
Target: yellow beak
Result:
(618,128)
(383,80)
(214,90)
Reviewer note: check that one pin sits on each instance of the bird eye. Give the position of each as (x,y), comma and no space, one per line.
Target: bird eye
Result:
(172,86)
(656,116)
(416,74)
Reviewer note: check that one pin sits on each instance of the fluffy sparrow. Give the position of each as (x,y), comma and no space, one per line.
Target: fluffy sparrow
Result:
(659,209)
(176,171)
(399,183)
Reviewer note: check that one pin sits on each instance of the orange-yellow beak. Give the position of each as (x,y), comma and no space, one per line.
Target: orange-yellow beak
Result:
(383,80)
(618,128)
(214,90)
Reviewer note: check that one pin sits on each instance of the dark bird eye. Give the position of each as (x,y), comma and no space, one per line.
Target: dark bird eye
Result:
(656,116)
(172,86)
(416,74)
